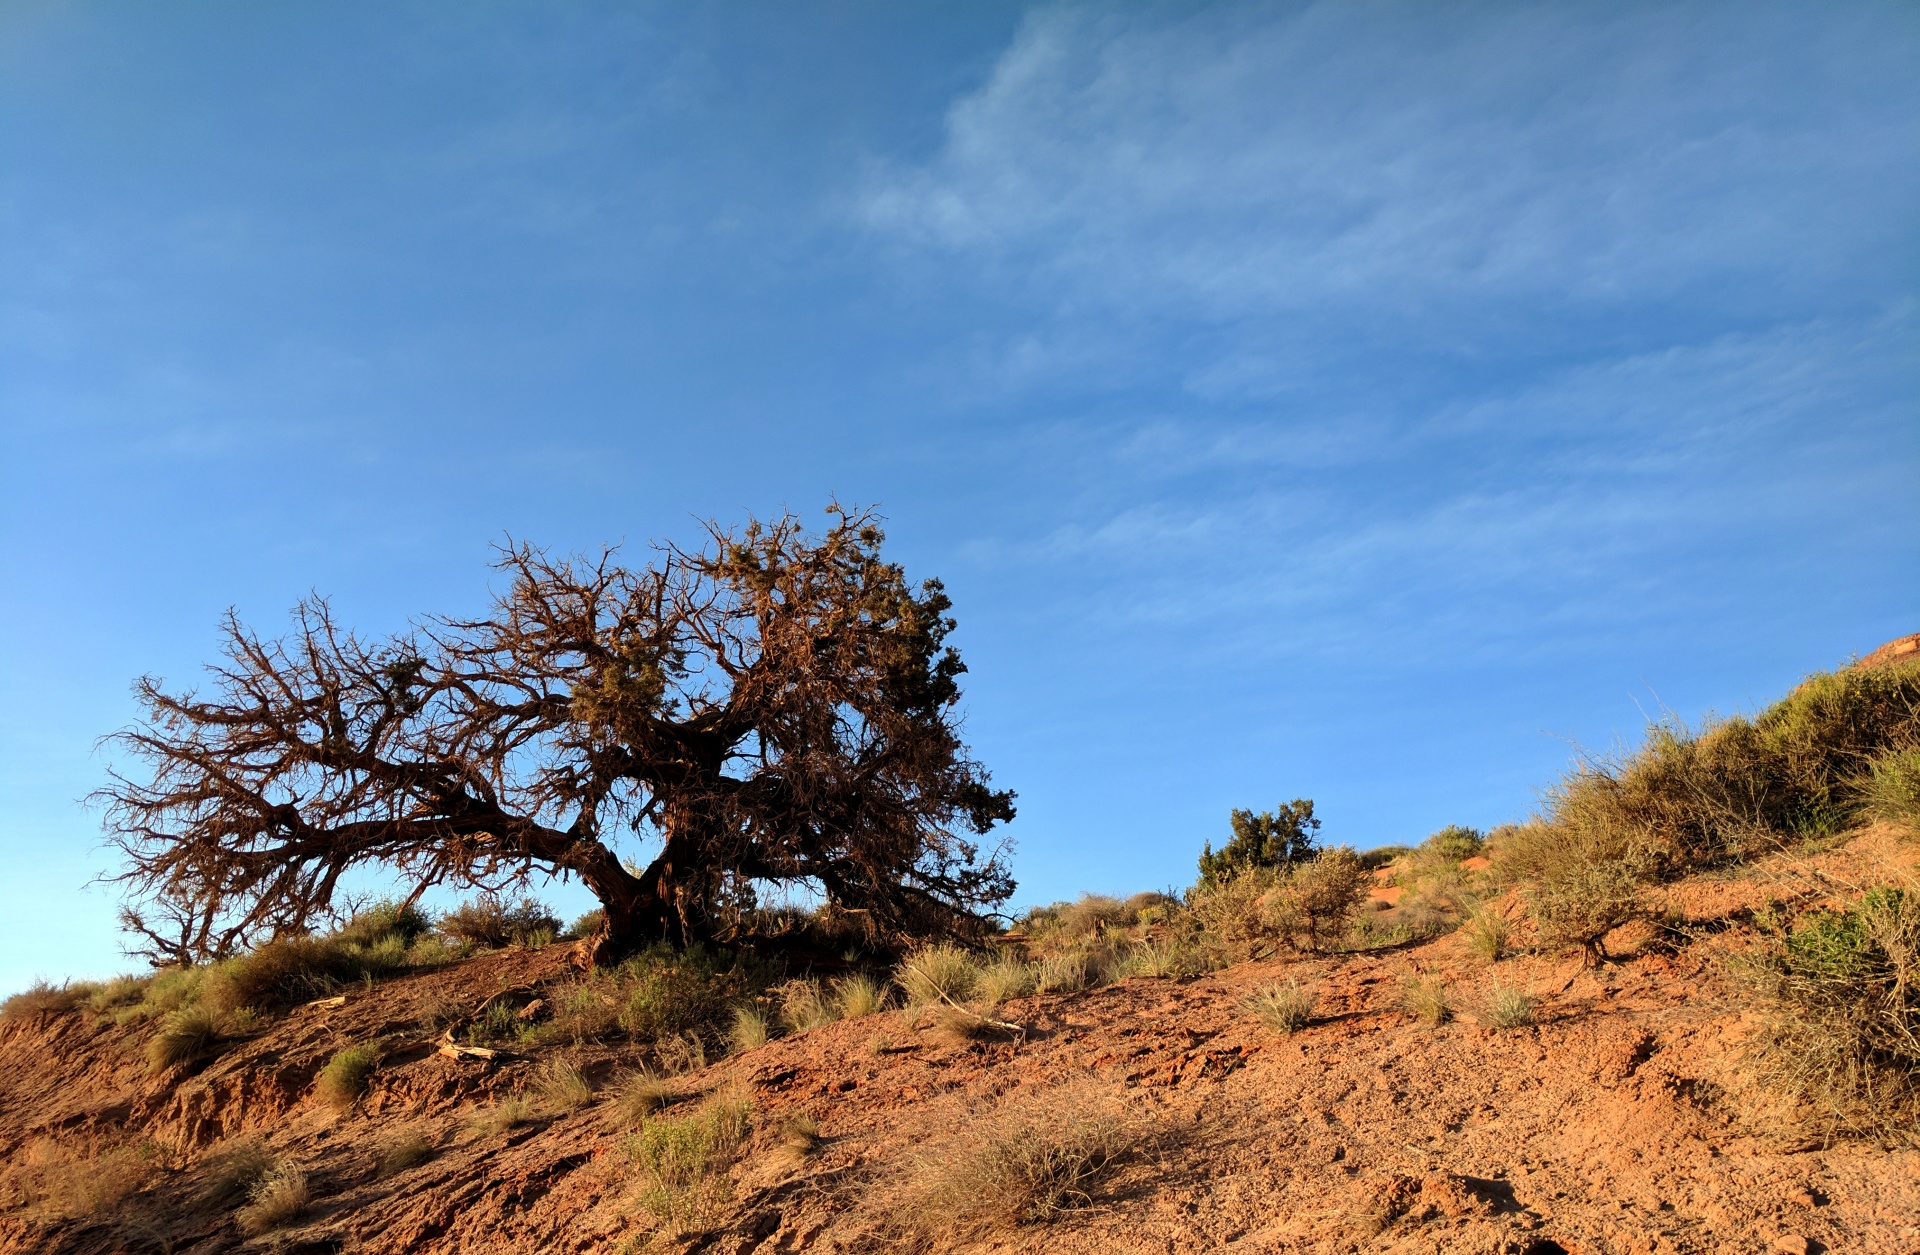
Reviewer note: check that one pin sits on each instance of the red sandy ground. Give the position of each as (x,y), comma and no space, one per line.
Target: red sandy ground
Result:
(1621,1122)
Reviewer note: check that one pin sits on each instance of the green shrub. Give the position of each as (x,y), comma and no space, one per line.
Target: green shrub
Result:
(344,1080)
(1275,840)
(1487,933)
(584,926)
(284,972)
(1325,893)
(1842,1005)
(1892,788)
(1579,905)
(1239,914)
(682,1162)
(387,918)
(670,993)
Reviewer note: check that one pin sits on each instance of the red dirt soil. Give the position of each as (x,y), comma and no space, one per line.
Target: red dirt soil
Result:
(1621,1122)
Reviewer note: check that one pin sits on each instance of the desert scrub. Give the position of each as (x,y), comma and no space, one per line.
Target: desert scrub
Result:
(493,922)
(1029,1162)
(560,1085)
(750,1029)
(344,1080)
(1507,1006)
(1428,999)
(934,973)
(1064,973)
(654,995)
(186,1035)
(501,1116)
(279,1199)
(1324,893)
(1005,976)
(78,1188)
(1285,1006)
(1892,787)
(682,1162)
(855,996)
(1577,905)
(41,1000)
(1841,999)
(1487,933)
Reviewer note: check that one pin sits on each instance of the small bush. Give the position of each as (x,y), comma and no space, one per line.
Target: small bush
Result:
(235,1169)
(682,1162)
(494,922)
(585,926)
(1162,958)
(750,1029)
(404,1151)
(1239,913)
(1842,1005)
(855,996)
(936,972)
(672,993)
(562,1086)
(188,1034)
(280,1198)
(42,999)
(385,922)
(344,1080)
(1507,1006)
(284,972)
(637,1095)
(1031,1162)
(1578,905)
(1456,842)
(1891,791)
(1428,998)
(1325,893)
(1285,1007)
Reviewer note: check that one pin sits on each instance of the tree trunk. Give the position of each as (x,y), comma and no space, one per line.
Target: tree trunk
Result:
(636,911)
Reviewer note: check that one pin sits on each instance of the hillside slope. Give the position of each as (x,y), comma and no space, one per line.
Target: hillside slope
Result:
(1620,1122)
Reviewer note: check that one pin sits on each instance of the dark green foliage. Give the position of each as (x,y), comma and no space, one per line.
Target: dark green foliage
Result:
(1892,787)
(1843,996)
(1277,839)
(1456,842)
(1381,855)
(344,1079)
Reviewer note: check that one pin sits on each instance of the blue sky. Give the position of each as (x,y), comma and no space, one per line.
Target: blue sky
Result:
(1367,402)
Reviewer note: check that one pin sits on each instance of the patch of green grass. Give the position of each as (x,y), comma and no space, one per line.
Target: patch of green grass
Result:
(343,1081)
(682,1162)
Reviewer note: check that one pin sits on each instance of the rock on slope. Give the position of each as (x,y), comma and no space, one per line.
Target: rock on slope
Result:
(1620,1122)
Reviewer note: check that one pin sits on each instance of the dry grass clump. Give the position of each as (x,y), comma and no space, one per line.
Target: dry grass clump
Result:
(934,973)
(799,1136)
(1284,1006)
(1428,998)
(804,1005)
(1842,1001)
(404,1151)
(749,1030)
(344,1080)
(234,1169)
(1064,973)
(1030,1162)
(188,1034)
(1005,976)
(1169,957)
(276,1201)
(500,1117)
(1507,1006)
(954,1026)
(560,1085)
(682,1162)
(637,1095)
(1487,933)
(42,999)
(855,996)
(72,1184)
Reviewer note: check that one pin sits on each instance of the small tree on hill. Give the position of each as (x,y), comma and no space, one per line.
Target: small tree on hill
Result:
(1278,839)
(779,706)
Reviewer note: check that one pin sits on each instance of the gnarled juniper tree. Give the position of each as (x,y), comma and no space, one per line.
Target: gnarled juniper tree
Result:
(778,706)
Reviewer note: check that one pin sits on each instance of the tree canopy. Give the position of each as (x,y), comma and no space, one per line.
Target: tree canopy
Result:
(1277,838)
(777,706)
